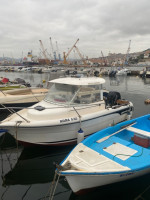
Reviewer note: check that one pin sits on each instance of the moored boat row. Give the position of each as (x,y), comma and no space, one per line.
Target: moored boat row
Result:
(71,104)
(81,105)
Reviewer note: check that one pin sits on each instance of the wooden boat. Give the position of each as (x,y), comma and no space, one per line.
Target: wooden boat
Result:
(115,154)
(70,104)
(21,97)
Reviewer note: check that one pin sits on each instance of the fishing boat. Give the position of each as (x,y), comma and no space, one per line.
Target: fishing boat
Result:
(114,154)
(70,104)
(21,97)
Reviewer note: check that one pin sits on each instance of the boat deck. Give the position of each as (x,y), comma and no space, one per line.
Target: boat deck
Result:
(122,149)
(124,152)
(113,150)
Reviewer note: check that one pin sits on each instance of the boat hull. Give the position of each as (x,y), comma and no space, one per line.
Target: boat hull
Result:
(82,183)
(65,134)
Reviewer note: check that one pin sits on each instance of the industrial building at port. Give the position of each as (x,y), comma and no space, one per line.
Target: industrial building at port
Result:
(112,59)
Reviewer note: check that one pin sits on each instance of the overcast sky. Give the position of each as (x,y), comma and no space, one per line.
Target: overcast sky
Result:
(100,25)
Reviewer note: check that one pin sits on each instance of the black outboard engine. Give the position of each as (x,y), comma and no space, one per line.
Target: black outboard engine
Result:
(96,73)
(112,98)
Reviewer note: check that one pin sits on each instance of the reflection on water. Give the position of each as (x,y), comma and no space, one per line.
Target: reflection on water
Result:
(128,84)
(34,166)
(29,177)
(27,173)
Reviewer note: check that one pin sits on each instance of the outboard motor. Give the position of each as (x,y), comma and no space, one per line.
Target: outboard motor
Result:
(112,98)
(96,73)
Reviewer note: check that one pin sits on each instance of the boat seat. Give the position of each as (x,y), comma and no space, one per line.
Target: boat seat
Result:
(139,131)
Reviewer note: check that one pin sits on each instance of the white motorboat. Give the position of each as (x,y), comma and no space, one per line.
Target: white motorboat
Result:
(71,104)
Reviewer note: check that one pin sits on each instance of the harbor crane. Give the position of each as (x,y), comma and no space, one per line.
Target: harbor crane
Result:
(58,51)
(105,61)
(54,53)
(44,52)
(66,55)
(82,58)
(127,54)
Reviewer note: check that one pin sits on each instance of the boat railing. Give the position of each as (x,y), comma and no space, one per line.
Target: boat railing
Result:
(12,111)
(80,106)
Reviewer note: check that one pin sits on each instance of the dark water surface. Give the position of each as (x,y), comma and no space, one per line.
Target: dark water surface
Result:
(27,173)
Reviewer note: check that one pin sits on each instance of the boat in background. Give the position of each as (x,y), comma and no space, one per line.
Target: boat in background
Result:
(34,166)
(71,104)
(21,97)
(115,154)
(122,71)
(11,86)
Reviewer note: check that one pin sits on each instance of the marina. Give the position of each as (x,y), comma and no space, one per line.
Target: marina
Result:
(27,173)
(74,100)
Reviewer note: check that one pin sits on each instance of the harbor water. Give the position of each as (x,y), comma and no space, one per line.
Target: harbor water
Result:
(27,173)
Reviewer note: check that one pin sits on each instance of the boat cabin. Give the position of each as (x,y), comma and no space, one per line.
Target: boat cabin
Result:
(76,91)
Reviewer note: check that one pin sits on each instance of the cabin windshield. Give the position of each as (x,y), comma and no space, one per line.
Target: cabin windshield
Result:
(73,94)
(61,93)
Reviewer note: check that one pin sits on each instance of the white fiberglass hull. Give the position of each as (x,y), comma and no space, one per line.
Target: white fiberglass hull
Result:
(62,132)
(79,182)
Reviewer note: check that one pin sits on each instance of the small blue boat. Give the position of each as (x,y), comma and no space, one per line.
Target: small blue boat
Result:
(114,154)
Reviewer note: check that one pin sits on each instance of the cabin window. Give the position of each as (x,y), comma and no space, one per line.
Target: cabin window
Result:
(73,94)
(87,94)
(61,93)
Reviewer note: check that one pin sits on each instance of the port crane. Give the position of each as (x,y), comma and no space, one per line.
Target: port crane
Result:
(127,54)
(53,52)
(76,48)
(44,52)
(83,60)
(58,51)
(66,55)
(105,61)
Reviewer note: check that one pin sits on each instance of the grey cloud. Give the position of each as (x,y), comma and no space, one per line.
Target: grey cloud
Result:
(106,25)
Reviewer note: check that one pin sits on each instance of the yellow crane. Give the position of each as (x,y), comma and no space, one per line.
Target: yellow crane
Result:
(66,55)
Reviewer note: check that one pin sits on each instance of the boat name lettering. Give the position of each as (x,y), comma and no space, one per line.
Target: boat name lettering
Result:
(68,120)
(127,174)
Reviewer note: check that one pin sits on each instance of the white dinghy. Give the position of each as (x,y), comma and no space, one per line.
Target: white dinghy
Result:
(71,104)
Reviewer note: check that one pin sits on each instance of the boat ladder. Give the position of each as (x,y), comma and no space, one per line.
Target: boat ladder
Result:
(54,185)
